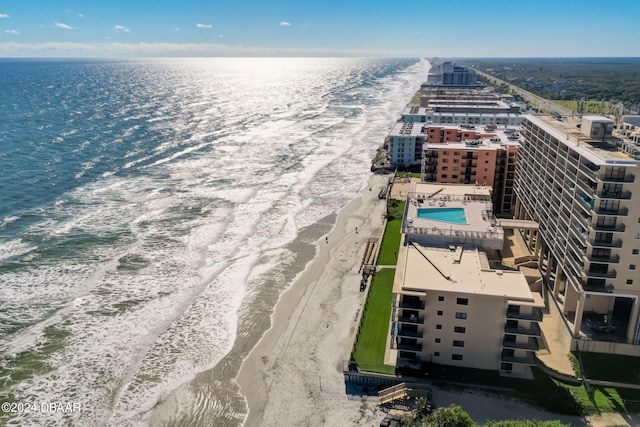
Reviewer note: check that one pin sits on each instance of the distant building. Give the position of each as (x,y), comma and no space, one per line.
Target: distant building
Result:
(406,141)
(584,191)
(456,155)
(449,74)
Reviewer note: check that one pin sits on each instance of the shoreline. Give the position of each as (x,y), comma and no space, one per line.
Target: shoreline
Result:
(293,375)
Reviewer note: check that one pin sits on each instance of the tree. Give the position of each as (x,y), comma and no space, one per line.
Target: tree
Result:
(452,416)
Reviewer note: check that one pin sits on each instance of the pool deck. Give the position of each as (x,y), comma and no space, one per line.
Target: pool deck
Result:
(474,200)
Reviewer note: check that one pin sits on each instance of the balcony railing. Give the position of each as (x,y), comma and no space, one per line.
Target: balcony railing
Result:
(534,330)
(410,334)
(407,347)
(523,360)
(614,194)
(615,243)
(622,211)
(613,258)
(531,344)
(414,320)
(416,305)
(616,178)
(616,228)
(601,274)
(535,315)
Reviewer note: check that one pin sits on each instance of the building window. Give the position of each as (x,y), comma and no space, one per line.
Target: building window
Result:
(460,329)
(629,281)
(444,168)
(635,252)
(454,176)
(456,357)
(462,301)
(441,298)
(460,315)
(458,343)
(444,175)
(438,326)
(437,340)
(439,312)
(436,354)
(632,267)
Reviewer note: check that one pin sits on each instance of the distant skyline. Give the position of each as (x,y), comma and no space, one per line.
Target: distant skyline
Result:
(465,28)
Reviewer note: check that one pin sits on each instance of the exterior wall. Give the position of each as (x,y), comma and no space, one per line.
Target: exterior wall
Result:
(483,330)
(469,330)
(406,150)
(588,219)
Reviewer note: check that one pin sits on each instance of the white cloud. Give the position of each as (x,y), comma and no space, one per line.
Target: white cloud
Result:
(80,15)
(63,26)
(122,28)
(11,32)
(221,36)
(285,24)
(3,15)
(204,25)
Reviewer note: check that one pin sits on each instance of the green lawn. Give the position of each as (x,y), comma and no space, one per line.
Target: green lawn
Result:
(589,106)
(390,243)
(611,367)
(371,341)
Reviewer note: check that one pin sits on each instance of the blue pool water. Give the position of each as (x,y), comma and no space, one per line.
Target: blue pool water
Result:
(454,215)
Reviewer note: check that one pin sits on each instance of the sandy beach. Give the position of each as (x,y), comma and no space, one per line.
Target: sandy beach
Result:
(294,375)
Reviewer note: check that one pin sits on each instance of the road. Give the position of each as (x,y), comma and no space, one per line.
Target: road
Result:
(530,97)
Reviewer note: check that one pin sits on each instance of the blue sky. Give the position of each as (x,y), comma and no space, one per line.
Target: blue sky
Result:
(462,28)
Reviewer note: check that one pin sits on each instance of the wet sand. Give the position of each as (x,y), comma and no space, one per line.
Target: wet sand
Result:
(294,375)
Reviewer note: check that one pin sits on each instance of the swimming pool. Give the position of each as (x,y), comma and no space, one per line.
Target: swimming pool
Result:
(454,215)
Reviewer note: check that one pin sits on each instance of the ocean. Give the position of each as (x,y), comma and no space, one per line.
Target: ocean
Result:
(150,213)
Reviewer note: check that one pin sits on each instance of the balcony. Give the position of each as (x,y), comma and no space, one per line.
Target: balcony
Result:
(416,305)
(616,178)
(533,330)
(614,195)
(606,259)
(616,228)
(622,211)
(414,320)
(531,344)
(535,315)
(407,347)
(529,359)
(407,333)
(600,274)
(614,243)
(605,289)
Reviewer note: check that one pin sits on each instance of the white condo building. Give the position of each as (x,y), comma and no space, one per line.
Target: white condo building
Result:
(582,187)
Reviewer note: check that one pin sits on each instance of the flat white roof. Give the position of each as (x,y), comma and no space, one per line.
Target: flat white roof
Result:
(566,132)
(423,269)
(401,128)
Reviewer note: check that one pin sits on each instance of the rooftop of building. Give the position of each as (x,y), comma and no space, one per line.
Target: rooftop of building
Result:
(414,110)
(401,128)
(474,200)
(458,269)
(599,152)
(490,139)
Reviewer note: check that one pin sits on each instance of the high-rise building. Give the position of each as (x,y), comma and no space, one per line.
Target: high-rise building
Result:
(582,186)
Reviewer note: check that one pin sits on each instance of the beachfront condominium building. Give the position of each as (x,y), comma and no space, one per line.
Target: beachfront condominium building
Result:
(451,75)
(576,180)
(405,143)
(450,307)
(455,155)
